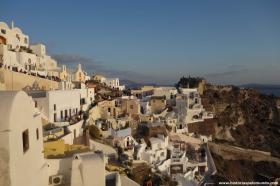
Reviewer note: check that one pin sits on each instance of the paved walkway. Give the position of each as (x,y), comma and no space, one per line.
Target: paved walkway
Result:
(106,149)
(230,152)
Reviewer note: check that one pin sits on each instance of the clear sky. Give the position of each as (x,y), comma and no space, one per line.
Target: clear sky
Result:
(234,42)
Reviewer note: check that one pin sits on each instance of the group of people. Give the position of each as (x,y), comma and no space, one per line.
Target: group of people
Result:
(15,69)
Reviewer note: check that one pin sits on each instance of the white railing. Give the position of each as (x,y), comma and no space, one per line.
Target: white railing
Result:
(52,131)
(61,124)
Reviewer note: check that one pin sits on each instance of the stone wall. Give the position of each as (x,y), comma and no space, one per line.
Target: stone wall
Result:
(201,87)
(10,80)
(229,152)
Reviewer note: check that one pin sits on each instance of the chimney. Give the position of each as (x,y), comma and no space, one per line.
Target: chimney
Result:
(12,25)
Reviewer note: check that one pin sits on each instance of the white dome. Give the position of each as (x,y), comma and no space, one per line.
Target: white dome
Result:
(18,30)
(4,25)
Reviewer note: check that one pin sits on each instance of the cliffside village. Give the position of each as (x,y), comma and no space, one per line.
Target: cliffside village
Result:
(62,126)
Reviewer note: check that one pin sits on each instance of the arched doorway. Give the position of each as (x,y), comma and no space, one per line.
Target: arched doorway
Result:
(2,40)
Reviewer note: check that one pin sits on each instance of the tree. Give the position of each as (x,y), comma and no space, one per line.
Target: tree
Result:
(189,82)
(94,131)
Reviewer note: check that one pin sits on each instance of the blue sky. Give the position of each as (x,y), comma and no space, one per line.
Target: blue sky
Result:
(234,42)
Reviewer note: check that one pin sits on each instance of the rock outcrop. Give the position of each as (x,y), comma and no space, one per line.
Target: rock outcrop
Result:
(249,120)
(245,117)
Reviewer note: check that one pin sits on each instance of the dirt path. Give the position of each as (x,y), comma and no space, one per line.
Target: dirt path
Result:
(229,152)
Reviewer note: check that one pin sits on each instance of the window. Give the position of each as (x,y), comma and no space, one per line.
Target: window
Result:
(54,117)
(25,140)
(109,110)
(131,106)
(3,31)
(25,40)
(18,37)
(37,133)
(66,113)
(82,101)
(36,104)
(61,114)
(54,107)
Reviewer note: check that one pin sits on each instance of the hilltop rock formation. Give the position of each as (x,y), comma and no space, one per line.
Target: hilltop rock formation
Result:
(245,117)
(249,120)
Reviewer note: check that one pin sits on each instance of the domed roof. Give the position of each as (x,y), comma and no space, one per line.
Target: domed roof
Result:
(4,25)
(13,105)
(18,30)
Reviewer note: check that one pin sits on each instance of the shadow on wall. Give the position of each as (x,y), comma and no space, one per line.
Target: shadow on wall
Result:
(4,167)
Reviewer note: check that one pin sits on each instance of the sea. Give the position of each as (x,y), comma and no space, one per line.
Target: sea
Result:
(269,91)
(266,89)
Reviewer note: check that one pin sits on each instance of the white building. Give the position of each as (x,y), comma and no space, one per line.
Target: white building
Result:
(168,92)
(21,152)
(189,108)
(145,106)
(85,169)
(21,142)
(13,37)
(61,105)
(44,62)
(171,120)
(123,138)
(112,82)
(154,154)
(16,52)
(188,160)
(88,169)
(87,96)
(57,105)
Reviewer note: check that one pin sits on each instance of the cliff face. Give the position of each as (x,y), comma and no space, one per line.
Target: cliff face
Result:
(244,170)
(245,117)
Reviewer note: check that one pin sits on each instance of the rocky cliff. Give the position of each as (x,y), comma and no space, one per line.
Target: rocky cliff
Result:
(245,117)
(249,120)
